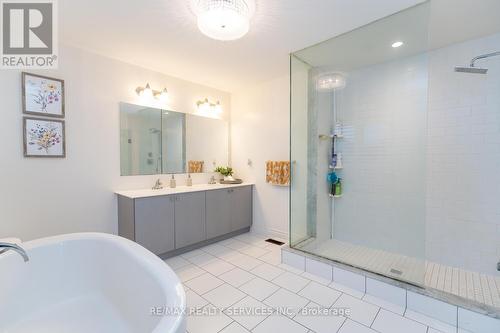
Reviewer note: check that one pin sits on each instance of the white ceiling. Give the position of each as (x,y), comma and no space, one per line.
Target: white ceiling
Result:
(162,35)
(371,44)
(427,26)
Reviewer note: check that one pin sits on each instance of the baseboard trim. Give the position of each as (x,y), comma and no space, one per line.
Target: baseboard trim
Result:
(270,233)
(177,252)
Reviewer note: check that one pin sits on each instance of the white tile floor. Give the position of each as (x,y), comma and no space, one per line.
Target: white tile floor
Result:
(245,273)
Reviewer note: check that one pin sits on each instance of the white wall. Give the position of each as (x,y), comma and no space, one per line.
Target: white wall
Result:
(463,178)
(40,197)
(260,132)
(383,109)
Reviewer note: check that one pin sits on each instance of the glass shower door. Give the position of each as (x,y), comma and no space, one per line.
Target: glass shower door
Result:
(358,146)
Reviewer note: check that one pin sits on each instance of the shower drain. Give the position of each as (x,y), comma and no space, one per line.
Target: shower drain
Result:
(396,271)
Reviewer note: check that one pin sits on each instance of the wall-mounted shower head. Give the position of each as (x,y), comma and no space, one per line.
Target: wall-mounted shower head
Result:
(472,68)
(154,130)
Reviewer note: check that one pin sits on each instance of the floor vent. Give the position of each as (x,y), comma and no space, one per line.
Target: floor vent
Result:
(395,271)
(274,241)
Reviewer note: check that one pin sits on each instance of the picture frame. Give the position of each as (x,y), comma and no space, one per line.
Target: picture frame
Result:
(43,96)
(44,137)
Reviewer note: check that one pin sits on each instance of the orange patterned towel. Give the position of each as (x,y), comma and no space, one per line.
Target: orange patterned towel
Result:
(195,166)
(278,172)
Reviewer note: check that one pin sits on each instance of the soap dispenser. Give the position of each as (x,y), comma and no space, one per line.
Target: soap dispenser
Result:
(172,182)
(189,180)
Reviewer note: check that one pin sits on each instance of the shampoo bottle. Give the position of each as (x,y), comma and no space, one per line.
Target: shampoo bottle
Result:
(338,187)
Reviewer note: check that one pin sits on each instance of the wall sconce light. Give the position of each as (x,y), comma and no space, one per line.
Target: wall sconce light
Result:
(208,108)
(148,93)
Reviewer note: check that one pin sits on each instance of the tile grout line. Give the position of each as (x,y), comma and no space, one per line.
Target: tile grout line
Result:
(345,319)
(253,278)
(233,321)
(374,318)
(283,272)
(274,292)
(307,284)
(354,320)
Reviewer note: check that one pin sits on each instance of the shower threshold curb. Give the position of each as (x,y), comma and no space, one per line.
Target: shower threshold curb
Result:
(441,296)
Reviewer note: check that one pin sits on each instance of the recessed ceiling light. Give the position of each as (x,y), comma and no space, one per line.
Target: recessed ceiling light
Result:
(397,44)
(224,19)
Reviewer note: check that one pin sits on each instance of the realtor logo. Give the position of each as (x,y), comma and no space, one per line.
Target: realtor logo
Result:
(28,34)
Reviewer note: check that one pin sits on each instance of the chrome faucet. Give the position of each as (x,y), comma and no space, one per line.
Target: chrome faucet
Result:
(4,247)
(158,185)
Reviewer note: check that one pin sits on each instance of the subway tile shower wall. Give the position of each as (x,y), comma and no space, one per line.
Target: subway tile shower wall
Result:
(463,158)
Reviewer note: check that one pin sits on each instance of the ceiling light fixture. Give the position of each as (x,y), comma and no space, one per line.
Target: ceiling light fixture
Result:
(397,44)
(224,19)
(330,81)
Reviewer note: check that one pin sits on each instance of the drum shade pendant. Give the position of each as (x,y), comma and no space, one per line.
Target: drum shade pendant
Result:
(224,19)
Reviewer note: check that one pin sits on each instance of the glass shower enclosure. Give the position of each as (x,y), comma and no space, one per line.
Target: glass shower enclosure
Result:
(358,140)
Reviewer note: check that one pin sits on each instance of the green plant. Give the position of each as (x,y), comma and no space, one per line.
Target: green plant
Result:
(225,171)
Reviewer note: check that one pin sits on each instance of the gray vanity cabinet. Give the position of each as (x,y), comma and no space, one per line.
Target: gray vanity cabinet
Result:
(189,219)
(241,208)
(154,223)
(175,223)
(228,210)
(218,213)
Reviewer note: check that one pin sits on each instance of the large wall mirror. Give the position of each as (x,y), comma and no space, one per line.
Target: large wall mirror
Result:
(154,141)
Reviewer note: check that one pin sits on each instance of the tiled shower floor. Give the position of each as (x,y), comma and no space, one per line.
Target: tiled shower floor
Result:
(482,288)
(245,272)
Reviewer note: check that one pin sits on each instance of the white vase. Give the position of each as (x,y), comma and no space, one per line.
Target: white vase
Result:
(228,178)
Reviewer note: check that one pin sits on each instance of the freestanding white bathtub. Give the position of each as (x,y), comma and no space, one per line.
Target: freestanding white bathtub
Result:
(88,282)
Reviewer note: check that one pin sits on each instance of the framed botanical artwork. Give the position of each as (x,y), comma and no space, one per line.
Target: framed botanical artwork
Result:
(43,96)
(44,137)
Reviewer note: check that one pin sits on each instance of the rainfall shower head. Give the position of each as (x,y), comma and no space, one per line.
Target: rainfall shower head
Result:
(472,68)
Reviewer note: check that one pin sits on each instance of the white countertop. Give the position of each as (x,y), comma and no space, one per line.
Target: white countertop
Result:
(144,193)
